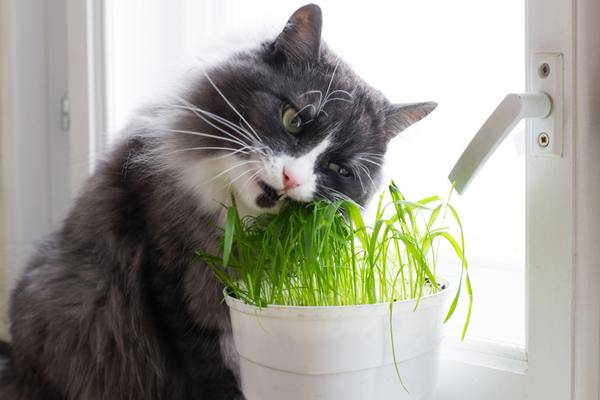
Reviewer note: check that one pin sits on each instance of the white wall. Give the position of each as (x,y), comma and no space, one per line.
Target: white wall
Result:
(33,145)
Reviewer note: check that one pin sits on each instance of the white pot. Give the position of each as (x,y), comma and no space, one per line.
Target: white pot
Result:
(338,353)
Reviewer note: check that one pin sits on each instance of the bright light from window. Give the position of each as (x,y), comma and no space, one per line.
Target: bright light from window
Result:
(466,55)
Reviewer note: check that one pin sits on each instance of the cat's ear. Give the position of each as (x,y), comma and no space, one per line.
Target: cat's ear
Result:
(398,117)
(300,39)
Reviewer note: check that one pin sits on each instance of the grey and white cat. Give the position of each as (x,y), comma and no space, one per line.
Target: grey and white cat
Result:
(113,306)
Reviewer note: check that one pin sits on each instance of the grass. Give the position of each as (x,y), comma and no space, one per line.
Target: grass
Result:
(325,254)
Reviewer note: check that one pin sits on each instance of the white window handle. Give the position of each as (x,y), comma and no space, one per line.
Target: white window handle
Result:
(543,104)
(505,117)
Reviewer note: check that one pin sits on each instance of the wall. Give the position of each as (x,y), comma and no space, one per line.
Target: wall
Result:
(3,291)
(34,171)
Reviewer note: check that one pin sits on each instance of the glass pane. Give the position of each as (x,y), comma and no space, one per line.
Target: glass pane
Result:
(466,55)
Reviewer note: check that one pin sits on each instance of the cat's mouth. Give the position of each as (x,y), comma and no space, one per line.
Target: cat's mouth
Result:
(269,197)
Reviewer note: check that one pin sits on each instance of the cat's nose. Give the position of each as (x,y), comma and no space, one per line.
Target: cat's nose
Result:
(290,181)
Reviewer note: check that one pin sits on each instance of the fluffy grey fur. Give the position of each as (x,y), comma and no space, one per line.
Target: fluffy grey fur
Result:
(113,306)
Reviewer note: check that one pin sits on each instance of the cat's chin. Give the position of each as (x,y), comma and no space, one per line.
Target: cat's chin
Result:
(257,199)
(254,210)
(268,198)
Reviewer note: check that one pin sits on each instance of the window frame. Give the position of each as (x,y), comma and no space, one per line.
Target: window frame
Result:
(87,89)
(561,316)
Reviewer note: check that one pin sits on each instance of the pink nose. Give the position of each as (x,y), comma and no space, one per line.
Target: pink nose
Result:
(289,180)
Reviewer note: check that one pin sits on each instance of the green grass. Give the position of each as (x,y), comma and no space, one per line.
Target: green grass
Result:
(325,253)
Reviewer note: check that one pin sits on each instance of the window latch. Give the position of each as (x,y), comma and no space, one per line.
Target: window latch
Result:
(65,113)
(542,106)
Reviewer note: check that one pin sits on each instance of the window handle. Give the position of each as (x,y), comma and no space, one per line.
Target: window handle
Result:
(494,130)
(542,105)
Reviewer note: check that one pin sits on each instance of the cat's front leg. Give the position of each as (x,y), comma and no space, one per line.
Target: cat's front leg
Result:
(224,388)
(231,393)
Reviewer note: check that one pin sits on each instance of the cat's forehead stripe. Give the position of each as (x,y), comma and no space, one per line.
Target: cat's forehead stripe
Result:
(311,157)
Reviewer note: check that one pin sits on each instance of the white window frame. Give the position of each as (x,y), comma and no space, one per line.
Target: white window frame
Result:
(562,318)
(563,224)
(87,89)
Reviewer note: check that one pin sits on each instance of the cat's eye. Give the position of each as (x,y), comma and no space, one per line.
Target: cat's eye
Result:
(343,171)
(291,120)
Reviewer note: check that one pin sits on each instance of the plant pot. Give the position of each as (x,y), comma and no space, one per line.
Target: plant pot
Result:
(339,353)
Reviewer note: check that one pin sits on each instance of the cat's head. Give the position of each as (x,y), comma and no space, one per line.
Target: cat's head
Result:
(287,120)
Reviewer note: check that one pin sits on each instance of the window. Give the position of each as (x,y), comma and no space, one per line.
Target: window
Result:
(398,48)
(465,55)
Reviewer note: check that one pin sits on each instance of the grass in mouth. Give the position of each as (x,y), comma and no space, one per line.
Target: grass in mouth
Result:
(325,253)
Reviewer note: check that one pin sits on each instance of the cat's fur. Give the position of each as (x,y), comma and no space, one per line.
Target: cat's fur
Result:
(113,306)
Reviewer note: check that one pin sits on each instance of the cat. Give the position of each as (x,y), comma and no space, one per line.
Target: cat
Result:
(113,305)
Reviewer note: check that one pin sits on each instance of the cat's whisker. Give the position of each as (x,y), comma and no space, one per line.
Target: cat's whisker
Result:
(324,100)
(320,93)
(201,117)
(238,165)
(322,104)
(207,135)
(231,182)
(370,161)
(347,93)
(372,181)
(250,179)
(373,157)
(379,155)
(360,181)
(231,105)
(237,128)
(311,92)
(304,108)
(336,195)
(331,79)
(244,147)
(367,173)
(319,102)
(357,174)
(337,99)
(337,192)
(254,147)
(230,151)
(243,151)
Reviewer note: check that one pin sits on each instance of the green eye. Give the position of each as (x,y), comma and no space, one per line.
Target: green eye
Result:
(339,169)
(292,121)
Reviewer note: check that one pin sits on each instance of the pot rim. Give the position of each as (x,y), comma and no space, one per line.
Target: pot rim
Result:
(279,311)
